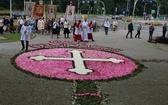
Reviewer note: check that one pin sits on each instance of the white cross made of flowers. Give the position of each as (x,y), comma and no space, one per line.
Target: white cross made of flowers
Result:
(78,61)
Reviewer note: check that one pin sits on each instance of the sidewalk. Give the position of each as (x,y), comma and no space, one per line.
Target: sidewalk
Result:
(147,88)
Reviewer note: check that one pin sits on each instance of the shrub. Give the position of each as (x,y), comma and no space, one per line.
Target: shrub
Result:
(161,40)
(127,19)
(154,23)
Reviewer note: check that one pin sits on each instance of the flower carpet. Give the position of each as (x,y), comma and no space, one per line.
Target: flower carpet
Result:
(84,64)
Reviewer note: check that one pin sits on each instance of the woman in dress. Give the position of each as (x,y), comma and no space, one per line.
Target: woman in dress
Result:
(55,29)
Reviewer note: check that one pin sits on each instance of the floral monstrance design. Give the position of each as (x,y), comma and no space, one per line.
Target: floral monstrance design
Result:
(76,64)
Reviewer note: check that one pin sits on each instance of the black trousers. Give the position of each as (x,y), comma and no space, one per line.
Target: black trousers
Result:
(106,30)
(1,30)
(164,33)
(130,34)
(138,34)
(150,36)
(23,45)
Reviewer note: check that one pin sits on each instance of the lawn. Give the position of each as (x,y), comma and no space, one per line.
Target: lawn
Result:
(10,37)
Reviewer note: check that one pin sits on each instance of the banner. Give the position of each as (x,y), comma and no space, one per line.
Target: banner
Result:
(70,10)
(29,8)
(51,11)
(38,11)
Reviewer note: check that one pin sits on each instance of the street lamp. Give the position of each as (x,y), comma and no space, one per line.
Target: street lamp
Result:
(135,2)
(145,6)
(10,8)
(41,2)
(158,6)
(144,13)
(95,1)
(52,2)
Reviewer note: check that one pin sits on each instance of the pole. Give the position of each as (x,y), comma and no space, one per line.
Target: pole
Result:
(135,2)
(127,13)
(10,8)
(158,7)
(144,10)
(78,6)
(24,6)
(145,6)
(104,7)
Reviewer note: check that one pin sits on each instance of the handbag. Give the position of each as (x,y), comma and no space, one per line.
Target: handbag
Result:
(4,28)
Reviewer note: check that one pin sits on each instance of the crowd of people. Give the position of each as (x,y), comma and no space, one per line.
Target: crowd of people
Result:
(82,30)
(151,30)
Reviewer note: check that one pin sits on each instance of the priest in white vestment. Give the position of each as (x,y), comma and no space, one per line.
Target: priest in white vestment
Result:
(85,28)
(25,35)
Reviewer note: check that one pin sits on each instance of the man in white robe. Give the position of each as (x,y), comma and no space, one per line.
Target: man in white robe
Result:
(85,28)
(40,25)
(25,35)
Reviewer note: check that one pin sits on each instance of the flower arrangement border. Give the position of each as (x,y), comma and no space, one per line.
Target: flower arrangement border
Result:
(134,73)
(86,95)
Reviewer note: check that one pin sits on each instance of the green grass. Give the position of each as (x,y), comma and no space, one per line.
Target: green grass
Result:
(10,37)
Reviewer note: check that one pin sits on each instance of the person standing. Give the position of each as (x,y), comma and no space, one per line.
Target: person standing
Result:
(130,29)
(90,31)
(151,30)
(40,25)
(25,35)
(59,26)
(85,30)
(139,27)
(77,33)
(11,25)
(55,29)
(32,23)
(49,25)
(43,25)
(1,25)
(66,29)
(164,30)
(21,22)
(74,26)
(6,23)
(115,25)
(106,26)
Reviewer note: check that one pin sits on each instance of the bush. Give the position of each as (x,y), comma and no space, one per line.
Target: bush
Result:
(127,19)
(154,23)
(161,40)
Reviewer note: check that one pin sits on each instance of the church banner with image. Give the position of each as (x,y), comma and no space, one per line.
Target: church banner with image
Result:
(29,8)
(70,11)
(51,11)
(39,11)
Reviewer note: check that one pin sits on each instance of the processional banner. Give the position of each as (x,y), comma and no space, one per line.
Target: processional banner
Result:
(51,11)
(29,8)
(70,13)
(38,11)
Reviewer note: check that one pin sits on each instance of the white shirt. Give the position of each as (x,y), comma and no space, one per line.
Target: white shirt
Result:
(106,24)
(25,33)
(54,25)
(1,22)
(65,24)
(21,22)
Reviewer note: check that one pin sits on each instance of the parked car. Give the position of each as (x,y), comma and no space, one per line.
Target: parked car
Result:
(117,17)
(19,14)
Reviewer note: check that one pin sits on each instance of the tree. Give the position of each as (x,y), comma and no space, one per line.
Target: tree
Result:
(110,5)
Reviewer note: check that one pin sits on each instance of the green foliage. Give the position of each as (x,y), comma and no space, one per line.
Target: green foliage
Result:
(161,40)
(12,37)
(86,86)
(154,23)
(110,6)
(127,19)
